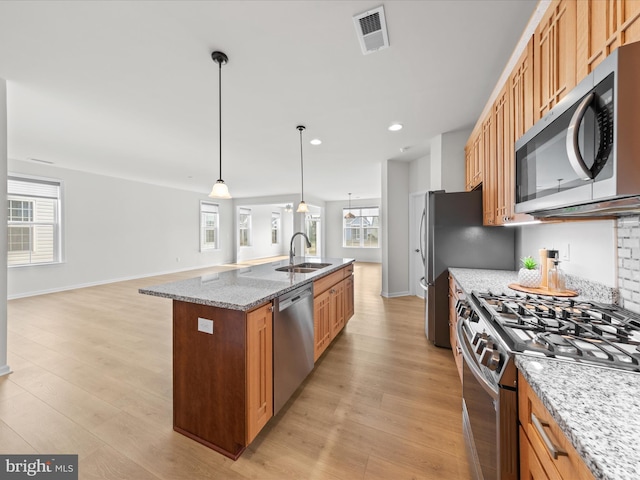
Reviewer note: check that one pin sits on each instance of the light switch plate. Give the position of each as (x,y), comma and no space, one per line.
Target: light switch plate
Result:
(205,325)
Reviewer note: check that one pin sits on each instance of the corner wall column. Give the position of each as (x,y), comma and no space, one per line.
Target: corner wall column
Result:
(4,367)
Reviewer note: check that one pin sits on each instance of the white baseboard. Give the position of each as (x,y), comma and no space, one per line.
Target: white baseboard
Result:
(105,282)
(5,370)
(395,294)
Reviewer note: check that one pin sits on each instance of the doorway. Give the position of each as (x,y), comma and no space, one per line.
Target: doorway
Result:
(416,243)
(313,229)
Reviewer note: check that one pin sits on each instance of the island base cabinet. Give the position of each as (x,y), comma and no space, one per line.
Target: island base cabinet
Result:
(222,379)
(259,370)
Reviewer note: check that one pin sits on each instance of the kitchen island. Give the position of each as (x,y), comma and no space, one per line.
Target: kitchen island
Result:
(223,343)
(596,408)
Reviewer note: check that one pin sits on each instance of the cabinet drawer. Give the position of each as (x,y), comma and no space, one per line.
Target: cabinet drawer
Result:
(546,439)
(326,282)
(347,271)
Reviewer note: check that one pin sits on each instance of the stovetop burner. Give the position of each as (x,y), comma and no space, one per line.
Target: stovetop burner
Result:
(565,328)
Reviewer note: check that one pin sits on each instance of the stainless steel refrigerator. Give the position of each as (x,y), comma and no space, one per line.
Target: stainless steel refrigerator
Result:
(455,237)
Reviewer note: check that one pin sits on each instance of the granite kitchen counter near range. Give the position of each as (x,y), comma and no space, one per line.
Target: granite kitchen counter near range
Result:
(244,288)
(598,409)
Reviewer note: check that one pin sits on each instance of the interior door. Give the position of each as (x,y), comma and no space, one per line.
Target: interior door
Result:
(416,234)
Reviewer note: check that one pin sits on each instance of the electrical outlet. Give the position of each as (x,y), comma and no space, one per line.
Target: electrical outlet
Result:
(205,325)
(565,254)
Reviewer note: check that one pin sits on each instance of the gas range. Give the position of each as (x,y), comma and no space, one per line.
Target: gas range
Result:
(564,328)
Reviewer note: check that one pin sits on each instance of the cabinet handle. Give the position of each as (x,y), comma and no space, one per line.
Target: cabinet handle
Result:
(554,450)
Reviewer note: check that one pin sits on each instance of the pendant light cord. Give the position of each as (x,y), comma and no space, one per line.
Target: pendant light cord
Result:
(220,115)
(301,168)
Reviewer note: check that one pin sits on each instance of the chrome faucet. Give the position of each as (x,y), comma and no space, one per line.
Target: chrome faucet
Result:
(292,250)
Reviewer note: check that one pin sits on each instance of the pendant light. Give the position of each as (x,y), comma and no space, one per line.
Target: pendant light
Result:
(349,215)
(302,208)
(288,208)
(220,189)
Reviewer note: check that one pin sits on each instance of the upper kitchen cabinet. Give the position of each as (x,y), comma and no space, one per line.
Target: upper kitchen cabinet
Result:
(503,162)
(473,156)
(489,169)
(602,27)
(554,55)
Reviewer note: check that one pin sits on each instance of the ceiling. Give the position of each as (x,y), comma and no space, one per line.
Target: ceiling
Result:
(128,89)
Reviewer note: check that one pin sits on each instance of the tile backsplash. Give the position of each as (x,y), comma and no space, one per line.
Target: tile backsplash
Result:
(629,262)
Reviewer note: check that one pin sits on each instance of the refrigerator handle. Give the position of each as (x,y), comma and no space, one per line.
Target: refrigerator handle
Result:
(421,233)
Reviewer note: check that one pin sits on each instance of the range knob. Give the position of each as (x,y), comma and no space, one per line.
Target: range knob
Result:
(474,317)
(463,309)
(490,358)
(480,340)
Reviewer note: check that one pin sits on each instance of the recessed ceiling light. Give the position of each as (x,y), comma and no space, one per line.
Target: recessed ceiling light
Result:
(315,141)
(394,127)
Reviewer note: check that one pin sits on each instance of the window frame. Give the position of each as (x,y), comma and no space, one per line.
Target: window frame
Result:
(209,208)
(276,227)
(34,189)
(248,228)
(361,229)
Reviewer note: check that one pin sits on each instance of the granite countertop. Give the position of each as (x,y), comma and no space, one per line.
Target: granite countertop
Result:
(244,288)
(597,408)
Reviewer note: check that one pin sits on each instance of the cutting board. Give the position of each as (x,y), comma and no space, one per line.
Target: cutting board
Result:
(543,291)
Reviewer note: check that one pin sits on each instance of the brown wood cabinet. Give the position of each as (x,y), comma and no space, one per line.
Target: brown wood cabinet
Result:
(454,295)
(554,55)
(259,369)
(473,155)
(489,170)
(222,378)
(545,452)
(603,26)
(333,306)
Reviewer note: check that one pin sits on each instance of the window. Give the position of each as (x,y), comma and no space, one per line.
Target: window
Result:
(209,221)
(312,229)
(33,221)
(361,231)
(244,222)
(275,228)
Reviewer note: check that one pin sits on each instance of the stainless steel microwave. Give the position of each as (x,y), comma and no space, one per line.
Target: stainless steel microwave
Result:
(583,157)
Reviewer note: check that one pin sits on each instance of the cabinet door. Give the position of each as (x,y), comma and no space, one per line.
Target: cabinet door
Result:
(349,308)
(468,164)
(554,55)
(259,369)
(503,158)
(530,467)
(453,323)
(336,310)
(321,323)
(489,170)
(603,26)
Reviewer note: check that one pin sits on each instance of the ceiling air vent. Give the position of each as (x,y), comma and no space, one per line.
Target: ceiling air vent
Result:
(371,29)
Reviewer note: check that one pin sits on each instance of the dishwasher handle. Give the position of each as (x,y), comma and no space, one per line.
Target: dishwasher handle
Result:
(289,299)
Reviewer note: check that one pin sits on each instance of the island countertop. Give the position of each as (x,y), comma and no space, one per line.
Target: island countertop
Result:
(244,288)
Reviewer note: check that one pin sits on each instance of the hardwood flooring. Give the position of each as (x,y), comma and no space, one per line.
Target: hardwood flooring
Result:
(92,376)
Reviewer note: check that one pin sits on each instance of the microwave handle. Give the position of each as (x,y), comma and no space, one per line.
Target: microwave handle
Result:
(573,149)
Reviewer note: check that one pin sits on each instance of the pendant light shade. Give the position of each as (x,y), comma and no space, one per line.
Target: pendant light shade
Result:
(220,189)
(302,208)
(349,215)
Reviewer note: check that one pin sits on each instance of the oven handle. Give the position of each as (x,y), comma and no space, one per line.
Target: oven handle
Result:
(573,149)
(471,362)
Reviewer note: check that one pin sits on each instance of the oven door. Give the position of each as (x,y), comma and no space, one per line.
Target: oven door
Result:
(566,152)
(480,410)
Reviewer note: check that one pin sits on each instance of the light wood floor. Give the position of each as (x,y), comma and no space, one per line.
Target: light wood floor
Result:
(92,376)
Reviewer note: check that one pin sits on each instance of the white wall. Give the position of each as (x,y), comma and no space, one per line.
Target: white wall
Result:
(261,245)
(4,367)
(333,232)
(592,247)
(394,218)
(447,162)
(420,175)
(115,229)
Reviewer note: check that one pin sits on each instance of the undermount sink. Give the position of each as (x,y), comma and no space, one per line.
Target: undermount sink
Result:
(306,267)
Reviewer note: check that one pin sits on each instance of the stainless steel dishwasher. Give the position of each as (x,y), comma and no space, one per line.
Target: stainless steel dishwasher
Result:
(292,343)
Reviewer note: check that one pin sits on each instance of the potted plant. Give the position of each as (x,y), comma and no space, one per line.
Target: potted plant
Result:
(529,275)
